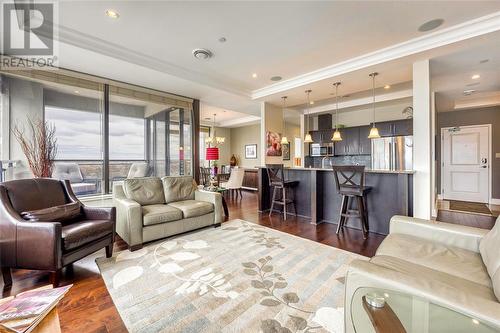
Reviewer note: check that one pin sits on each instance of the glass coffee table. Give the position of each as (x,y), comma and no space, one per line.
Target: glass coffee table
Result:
(220,190)
(375,310)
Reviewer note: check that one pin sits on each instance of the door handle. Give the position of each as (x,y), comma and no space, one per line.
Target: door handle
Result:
(484,166)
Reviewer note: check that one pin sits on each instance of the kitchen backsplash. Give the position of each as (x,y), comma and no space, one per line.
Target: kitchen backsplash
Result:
(315,162)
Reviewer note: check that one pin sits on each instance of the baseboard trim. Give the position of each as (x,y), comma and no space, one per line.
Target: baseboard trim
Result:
(494,201)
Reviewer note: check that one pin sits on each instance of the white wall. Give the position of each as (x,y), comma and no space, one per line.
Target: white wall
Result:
(272,120)
(245,135)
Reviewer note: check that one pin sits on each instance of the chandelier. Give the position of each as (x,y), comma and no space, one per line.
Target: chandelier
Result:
(215,140)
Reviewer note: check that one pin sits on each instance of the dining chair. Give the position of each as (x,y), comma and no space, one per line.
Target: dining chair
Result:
(235,181)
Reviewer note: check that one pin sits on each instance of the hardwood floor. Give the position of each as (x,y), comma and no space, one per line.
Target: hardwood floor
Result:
(88,307)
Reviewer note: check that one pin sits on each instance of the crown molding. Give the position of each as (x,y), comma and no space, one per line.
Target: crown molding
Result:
(241,121)
(456,33)
(362,101)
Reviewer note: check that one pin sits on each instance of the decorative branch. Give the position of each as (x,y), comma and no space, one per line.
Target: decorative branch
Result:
(39,146)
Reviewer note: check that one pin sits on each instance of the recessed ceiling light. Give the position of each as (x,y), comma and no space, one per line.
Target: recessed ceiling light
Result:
(475,76)
(475,321)
(311,102)
(202,54)
(469,92)
(77,92)
(222,39)
(112,13)
(430,25)
(276,78)
(387,86)
(254,75)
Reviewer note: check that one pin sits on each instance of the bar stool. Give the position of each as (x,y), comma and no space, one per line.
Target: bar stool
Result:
(279,184)
(350,182)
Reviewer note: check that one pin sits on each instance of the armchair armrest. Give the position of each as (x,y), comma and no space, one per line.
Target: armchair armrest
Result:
(467,238)
(216,199)
(99,213)
(128,220)
(38,245)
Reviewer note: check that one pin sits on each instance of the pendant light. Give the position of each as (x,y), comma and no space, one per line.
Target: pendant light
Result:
(284,139)
(336,135)
(374,130)
(308,137)
(215,140)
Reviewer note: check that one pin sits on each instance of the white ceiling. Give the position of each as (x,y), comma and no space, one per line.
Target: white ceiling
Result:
(452,74)
(151,43)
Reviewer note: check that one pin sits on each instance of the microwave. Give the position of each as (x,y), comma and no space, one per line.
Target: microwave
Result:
(321,149)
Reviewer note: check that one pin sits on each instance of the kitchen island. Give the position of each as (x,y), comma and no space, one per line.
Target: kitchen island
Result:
(316,196)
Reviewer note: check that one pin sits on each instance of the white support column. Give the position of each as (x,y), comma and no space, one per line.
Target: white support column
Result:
(422,140)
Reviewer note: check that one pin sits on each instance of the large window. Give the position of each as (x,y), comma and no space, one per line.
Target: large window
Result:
(204,134)
(79,133)
(105,133)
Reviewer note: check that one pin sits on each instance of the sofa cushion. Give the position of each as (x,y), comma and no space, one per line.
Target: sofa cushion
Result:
(430,280)
(155,214)
(178,188)
(144,191)
(452,260)
(193,208)
(60,213)
(82,232)
(490,253)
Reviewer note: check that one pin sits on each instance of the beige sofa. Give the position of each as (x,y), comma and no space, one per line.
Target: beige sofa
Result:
(449,265)
(151,208)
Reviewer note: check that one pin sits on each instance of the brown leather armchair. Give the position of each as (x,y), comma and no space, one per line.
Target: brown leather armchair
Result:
(48,246)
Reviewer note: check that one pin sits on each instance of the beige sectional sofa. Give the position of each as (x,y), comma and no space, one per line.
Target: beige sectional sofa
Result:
(452,266)
(151,208)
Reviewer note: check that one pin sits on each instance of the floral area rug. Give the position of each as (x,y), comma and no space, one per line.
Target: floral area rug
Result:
(240,277)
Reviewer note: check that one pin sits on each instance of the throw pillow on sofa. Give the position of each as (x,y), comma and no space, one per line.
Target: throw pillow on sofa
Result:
(144,191)
(178,188)
(490,253)
(60,213)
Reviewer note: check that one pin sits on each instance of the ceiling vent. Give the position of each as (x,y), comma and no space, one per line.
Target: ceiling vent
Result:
(202,54)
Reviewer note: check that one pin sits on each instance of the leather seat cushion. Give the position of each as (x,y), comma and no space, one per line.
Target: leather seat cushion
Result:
(448,259)
(490,253)
(155,214)
(193,208)
(178,188)
(82,232)
(144,191)
(435,280)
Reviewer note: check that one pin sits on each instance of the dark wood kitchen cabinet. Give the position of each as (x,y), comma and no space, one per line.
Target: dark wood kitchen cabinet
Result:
(395,128)
(365,144)
(350,142)
(323,136)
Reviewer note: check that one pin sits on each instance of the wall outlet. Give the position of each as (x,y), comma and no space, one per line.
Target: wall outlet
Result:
(497,155)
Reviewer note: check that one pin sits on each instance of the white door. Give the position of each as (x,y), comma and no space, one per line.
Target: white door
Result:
(465,160)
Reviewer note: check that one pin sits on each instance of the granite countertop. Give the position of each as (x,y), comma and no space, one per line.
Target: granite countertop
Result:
(408,172)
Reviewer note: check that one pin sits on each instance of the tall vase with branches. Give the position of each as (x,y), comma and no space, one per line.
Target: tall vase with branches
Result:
(39,145)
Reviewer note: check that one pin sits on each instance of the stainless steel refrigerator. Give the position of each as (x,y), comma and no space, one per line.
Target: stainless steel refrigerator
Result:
(392,153)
